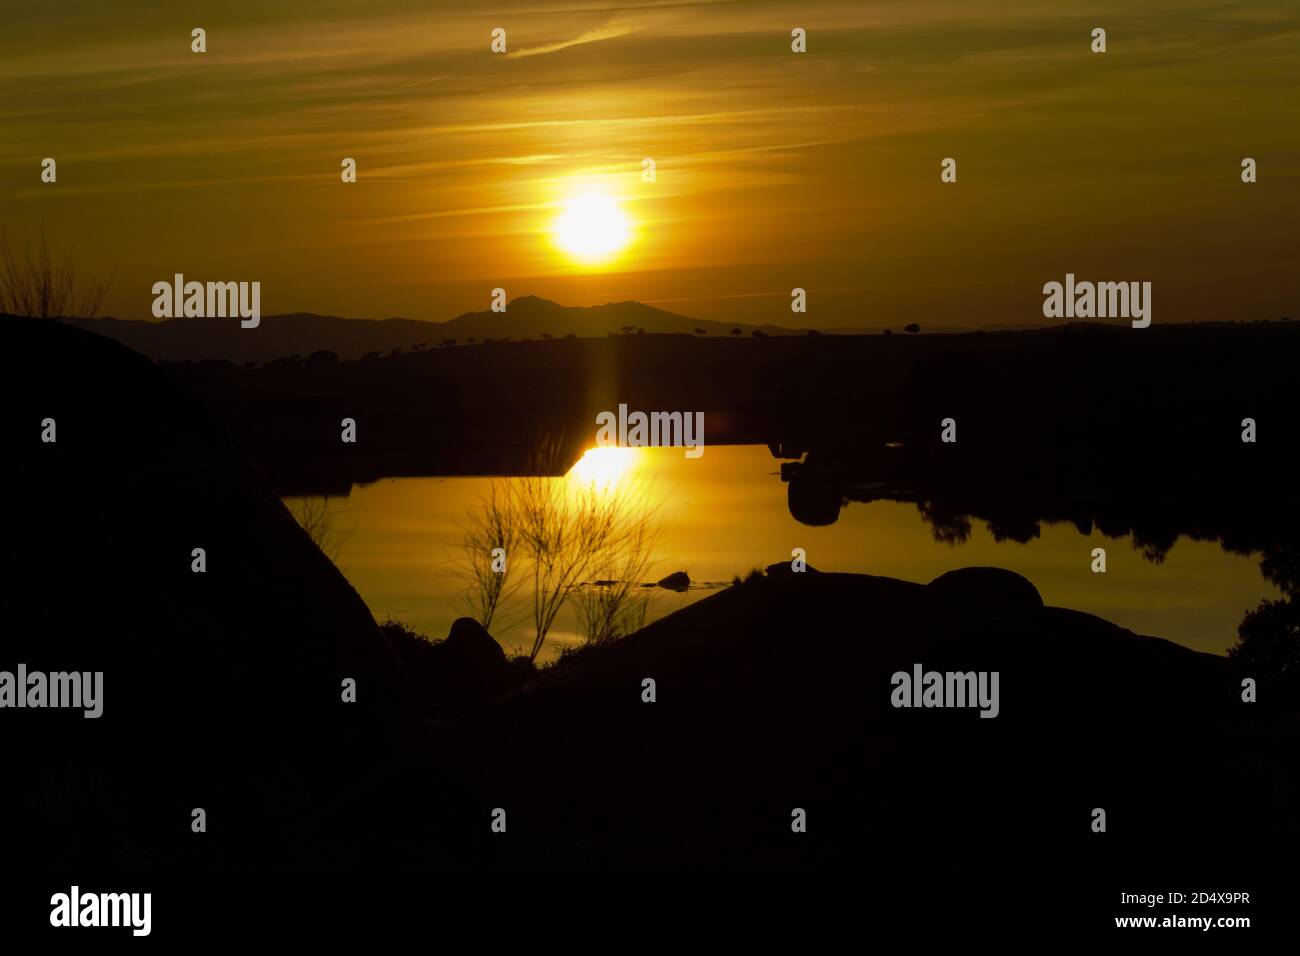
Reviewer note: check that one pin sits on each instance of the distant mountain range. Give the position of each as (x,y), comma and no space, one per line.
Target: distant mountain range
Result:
(302,333)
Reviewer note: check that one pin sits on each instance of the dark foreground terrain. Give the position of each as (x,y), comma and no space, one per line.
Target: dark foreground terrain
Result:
(222,691)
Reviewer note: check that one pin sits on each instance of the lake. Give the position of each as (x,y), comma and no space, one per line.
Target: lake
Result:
(726,513)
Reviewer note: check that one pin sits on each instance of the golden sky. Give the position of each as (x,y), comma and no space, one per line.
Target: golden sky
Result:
(774,169)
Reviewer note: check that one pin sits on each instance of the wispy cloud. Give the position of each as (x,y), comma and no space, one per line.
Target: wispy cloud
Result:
(591,36)
(764,156)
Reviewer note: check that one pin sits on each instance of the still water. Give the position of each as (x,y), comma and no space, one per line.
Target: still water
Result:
(725,513)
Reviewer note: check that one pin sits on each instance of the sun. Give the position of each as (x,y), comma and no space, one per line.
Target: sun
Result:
(592,229)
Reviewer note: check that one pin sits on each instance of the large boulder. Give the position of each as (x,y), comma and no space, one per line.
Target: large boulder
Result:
(772,697)
(451,676)
(982,585)
(223,689)
(469,641)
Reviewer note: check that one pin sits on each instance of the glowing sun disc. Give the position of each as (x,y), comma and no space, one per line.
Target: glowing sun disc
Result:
(591,228)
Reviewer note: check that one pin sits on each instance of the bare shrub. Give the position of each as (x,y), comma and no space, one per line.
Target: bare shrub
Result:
(33,283)
(558,533)
(616,604)
(493,523)
(320,521)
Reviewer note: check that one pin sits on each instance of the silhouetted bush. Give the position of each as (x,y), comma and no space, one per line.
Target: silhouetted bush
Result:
(1281,565)
(1268,649)
(322,357)
(35,285)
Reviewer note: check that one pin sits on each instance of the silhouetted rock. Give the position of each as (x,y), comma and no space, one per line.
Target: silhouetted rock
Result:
(987,586)
(776,694)
(470,642)
(223,689)
(467,669)
(677,581)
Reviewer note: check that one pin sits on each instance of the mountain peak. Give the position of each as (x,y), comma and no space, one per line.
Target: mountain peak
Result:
(534,301)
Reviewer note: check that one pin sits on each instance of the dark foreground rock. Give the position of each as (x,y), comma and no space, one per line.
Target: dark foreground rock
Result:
(466,670)
(222,689)
(776,694)
(986,586)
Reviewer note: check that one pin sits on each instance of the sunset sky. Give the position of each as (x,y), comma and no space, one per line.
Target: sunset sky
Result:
(774,169)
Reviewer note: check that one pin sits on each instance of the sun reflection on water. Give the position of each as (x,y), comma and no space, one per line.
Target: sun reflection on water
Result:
(603,468)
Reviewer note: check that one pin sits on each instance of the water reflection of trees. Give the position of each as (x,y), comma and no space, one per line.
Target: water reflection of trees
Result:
(1252,522)
(1268,638)
(1154,524)
(946,526)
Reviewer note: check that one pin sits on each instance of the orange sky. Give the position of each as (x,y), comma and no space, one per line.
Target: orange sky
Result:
(775,169)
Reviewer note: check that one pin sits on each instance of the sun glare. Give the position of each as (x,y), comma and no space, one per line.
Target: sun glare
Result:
(603,467)
(592,229)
